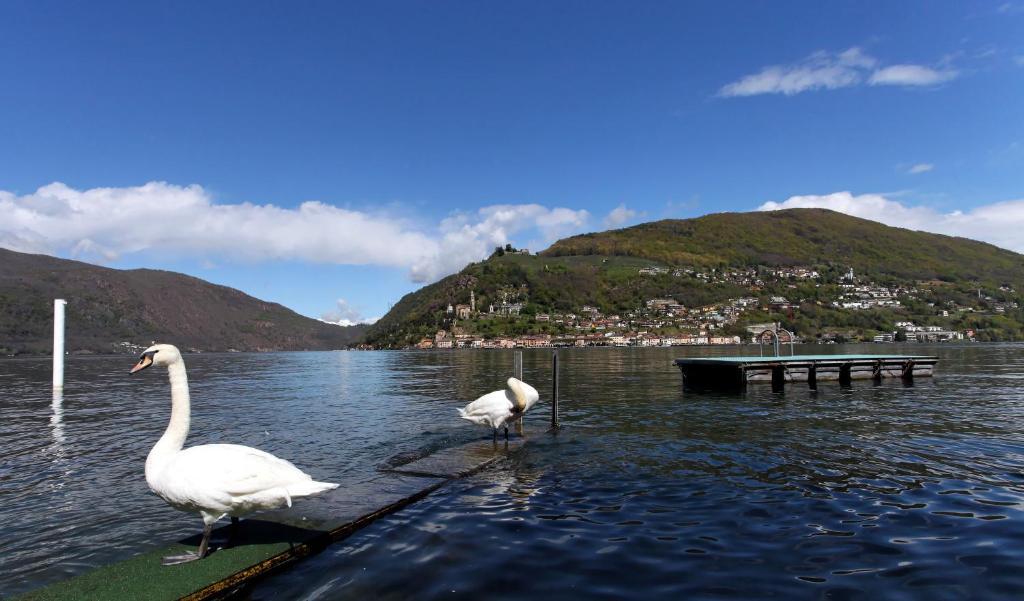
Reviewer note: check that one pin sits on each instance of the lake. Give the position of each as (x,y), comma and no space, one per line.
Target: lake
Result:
(876,491)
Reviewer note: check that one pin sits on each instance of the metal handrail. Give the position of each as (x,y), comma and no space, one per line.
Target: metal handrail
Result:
(776,342)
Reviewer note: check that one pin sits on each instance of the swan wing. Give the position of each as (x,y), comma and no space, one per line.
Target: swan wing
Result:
(492,409)
(238,470)
(230,478)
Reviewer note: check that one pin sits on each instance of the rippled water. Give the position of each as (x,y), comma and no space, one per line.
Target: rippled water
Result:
(879,491)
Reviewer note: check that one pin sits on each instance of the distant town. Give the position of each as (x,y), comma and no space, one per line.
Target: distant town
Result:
(666,322)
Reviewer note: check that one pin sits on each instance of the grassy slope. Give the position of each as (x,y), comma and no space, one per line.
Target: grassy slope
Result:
(802,237)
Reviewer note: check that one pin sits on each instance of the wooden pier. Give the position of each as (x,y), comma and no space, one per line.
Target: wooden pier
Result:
(734,373)
(277,538)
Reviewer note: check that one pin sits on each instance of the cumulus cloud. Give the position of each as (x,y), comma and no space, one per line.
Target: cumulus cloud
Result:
(830,71)
(998,223)
(920,168)
(344,314)
(619,216)
(103,224)
(470,236)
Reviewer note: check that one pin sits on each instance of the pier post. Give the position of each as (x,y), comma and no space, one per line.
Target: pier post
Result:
(844,375)
(58,343)
(554,390)
(908,372)
(812,376)
(778,378)
(876,373)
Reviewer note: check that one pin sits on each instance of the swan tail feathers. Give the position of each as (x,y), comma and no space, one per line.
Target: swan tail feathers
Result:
(306,489)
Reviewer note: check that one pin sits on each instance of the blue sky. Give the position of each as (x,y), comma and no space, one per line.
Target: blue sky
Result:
(188,136)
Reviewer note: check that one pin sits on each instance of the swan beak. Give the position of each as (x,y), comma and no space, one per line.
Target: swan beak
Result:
(144,362)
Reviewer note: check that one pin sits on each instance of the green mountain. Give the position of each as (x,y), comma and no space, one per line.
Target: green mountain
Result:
(603,270)
(801,237)
(109,306)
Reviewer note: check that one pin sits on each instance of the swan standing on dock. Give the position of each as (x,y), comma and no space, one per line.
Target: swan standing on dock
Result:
(215,480)
(496,409)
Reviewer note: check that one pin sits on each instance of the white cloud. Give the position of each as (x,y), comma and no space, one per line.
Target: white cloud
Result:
(998,223)
(619,216)
(920,168)
(344,314)
(827,71)
(472,236)
(820,70)
(910,75)
(103,224)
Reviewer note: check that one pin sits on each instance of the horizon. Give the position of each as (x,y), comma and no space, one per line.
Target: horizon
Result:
(333,159)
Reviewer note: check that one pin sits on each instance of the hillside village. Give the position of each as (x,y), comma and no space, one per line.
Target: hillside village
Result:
(722,278)
(667,322)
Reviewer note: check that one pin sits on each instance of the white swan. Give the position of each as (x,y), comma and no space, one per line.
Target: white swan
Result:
(215,480)
(496,409)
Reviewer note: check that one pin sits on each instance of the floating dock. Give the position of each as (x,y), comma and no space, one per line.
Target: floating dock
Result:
(734,373)
(278,538)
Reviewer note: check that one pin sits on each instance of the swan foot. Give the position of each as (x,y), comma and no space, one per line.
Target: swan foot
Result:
(204,546)
(173,560)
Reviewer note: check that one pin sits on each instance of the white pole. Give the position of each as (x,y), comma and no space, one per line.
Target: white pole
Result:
(58,343)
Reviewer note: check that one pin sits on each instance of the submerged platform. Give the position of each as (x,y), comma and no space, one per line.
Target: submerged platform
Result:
(731,373)
(277,538)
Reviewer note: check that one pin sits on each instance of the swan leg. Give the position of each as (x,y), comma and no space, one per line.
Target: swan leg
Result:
(506,432)
(235,531)
(173,560)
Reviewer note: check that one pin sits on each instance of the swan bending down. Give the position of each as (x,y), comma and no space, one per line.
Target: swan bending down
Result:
(215,480)
(496,409)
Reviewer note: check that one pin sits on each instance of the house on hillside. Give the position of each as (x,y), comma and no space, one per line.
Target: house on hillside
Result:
(443,340)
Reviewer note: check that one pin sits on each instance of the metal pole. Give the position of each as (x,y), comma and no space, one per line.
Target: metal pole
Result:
(554,389)
(58,343)
(517,368)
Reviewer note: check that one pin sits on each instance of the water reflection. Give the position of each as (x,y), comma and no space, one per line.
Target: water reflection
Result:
(57,422)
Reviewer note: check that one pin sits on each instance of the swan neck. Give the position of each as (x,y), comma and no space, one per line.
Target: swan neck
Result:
(177,429)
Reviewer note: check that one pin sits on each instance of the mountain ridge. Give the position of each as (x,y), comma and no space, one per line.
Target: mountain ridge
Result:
(798,230)
(107,307)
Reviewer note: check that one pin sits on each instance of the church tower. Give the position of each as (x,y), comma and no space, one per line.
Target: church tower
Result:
(472,301)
